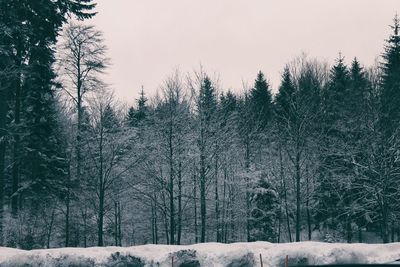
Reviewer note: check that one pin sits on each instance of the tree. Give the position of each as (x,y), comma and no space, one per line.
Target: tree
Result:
(358,119)
(336,170)
(389,127)
(264,212)
(171,120)
(105,147)
(391,81)
(44,149)
(30,32)
(138,115)
(261,102)
(81,60)
(206,107)
(6,70)
(297,109)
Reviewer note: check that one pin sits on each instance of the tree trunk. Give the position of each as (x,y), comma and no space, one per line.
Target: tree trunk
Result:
(285,194)
(217,211)
(196,236)
(119,225)
(308,210)
(171,190)
(247,162)
(385,222)
(165,218)
(179,204)
(101,192)
(101,218)
(67,214)
(348,230)
(392,231)
(203,197)
(3,132)
(16,145)
(84,217)
(279,226)
(153,222)
(116,223)
(298,199)
(79,126)
(223,221)
(50,228)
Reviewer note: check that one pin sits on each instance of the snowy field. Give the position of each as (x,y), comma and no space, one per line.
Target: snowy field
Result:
(209,254)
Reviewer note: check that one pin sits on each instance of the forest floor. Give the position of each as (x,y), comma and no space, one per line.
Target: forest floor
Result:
(207,254)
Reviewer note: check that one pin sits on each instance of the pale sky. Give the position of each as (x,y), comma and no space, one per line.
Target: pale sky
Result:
(148,39)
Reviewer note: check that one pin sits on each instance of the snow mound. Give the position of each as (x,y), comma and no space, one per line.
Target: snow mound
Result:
(208,254)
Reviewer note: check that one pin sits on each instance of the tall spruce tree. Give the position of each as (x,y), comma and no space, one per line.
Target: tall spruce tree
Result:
(389,125)
(336,169)
(357,121)
(261,102)
(390,95)
(207,107)
(44,149)
(284,101)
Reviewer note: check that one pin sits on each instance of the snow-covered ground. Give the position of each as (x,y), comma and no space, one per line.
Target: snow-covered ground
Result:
(208,254)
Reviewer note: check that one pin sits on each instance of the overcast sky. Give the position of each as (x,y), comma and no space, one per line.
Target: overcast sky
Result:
(148,39)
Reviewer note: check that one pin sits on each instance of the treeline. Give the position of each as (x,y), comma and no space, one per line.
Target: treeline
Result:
(194,163)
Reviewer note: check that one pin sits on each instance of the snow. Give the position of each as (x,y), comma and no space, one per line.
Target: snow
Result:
(208,254)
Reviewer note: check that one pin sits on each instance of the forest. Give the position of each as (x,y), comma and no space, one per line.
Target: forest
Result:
(317,160)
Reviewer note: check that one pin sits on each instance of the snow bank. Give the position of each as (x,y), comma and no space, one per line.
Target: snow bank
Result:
(208,254)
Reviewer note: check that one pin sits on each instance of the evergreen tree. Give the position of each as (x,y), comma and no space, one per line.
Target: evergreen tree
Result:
(336,171)
(358,90)
(387,179)
(138,115)
(390,96)
(110,121)
(357,122)
(264,212)
(206,108)
(44,153)
(284,101)
(261,102)
(141,107)
(130,117)
(336,96)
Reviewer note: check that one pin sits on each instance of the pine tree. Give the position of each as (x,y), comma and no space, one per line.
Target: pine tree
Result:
(336,95)
(136,116)
(388,169)
(130,117)
(263,215)
(284,101)
(390,95)
(261,102)
(336,169)
(44,149)
(207,107)
(357,122)
(142,107)
(358,89)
